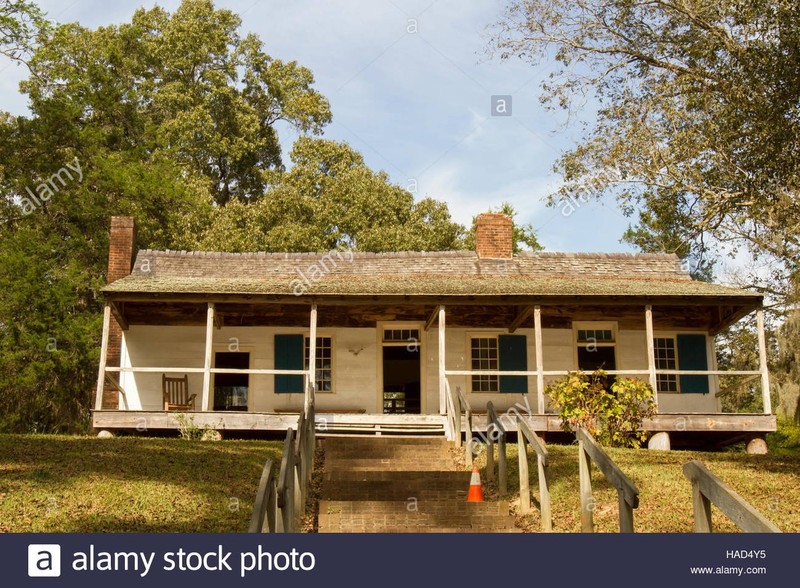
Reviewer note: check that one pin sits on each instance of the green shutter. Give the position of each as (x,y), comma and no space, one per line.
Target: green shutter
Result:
(692,355)
(513,357)
(288,356)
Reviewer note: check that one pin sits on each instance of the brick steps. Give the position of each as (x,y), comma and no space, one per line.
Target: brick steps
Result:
(392,485)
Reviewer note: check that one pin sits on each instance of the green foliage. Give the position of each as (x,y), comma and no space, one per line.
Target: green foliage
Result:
(167,117)
(171,118)
(737,349)
(612,414)
(20,23)
(786,440)
(331,200)
(785,371)
(189,430)
(697,115)
(186,84)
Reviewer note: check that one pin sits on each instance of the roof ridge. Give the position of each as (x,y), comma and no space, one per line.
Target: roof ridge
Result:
(598,255)
(305,254)
(399,254)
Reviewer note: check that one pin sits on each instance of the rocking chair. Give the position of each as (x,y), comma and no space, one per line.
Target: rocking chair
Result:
(176,393)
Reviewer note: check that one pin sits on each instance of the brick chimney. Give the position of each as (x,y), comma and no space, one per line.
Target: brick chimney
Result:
(121,255)
(494,236)
(121,247)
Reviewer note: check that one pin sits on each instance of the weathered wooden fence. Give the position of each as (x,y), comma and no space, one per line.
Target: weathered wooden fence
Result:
(707,489)
(589,451)
(280,504)
(525,437)
(496,434)
(265,509)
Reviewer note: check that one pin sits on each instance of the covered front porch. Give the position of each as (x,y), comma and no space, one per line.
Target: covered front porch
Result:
(383,364)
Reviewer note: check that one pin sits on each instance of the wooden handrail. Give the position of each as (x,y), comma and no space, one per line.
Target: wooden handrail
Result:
(115,384)
(286,479)
(453,415)
(283,502)
(708,488)
(493,425)
(627,493)
(464,404)
(457,404)
(266,504)
(525,436)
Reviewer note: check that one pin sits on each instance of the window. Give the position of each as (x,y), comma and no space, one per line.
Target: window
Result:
(485,356)
(666,359)
(596,346)
(400,335)
(324,363)
(291,353)
(505,353)
(595,336)
(681,352)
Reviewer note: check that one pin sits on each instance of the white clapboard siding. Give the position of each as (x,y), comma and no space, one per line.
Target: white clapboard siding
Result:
(356,369)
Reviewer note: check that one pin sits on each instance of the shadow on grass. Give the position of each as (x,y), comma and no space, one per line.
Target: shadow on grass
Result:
(80,484)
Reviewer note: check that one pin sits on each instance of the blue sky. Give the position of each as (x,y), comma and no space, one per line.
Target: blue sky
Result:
(410,87)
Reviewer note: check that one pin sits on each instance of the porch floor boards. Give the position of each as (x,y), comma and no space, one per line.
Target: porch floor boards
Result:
(409,424)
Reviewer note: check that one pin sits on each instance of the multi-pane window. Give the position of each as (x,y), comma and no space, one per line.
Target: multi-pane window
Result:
(596,346)
(666,360)
(324,363)
(485,357)
(400,335)
(595,336)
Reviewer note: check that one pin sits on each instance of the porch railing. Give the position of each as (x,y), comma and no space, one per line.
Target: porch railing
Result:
(459,411)
(540,375)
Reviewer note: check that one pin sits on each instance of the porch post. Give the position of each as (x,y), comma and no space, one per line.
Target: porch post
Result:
(312,352)
(537,331)
(442,377)
(762,360)
(101,376)
(651,351)
(207,363)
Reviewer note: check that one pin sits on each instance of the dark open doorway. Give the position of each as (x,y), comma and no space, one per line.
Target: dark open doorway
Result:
(402,381)
(230,390)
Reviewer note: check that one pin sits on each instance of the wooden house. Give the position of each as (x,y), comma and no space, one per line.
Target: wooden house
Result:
(384,336)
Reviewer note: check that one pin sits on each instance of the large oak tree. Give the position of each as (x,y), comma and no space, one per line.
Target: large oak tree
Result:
(697,129)
(172,118)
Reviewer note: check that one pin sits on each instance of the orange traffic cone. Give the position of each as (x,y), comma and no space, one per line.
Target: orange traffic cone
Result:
(475,493)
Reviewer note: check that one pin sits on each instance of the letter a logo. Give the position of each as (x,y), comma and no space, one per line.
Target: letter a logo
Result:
(44,561)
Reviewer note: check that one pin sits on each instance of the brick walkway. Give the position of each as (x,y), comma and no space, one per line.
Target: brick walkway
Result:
(394,485)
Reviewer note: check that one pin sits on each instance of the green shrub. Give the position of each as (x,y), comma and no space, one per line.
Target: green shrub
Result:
(612,414)
(786,440)
(190,431)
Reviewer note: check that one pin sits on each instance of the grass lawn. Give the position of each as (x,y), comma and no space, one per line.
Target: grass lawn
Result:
(769,482)
(52,483)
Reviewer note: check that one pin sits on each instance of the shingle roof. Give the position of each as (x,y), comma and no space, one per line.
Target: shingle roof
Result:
(449,273)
